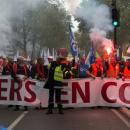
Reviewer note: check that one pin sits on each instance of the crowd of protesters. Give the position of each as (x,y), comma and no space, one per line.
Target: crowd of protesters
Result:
(61,69)
(36,69)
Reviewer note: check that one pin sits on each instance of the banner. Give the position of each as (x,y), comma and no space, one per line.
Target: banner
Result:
(77,92)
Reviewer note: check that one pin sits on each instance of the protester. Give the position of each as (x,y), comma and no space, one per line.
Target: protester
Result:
(67,73)
(96,68)
(7,67)
(39,69)
(20,73)
(121,68)
(54,84)
(82,68)
(126,72)
(1,65)
(112,68)
(50,59)
(74,68)
(32,68)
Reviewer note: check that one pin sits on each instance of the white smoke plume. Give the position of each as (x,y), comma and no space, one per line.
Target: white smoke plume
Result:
(98,20)
(71,5)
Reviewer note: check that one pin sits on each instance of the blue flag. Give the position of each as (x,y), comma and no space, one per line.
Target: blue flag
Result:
(72,43)
(91,57)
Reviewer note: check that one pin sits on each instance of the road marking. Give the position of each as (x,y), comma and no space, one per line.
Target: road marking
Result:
(127,123)
(12,125)
(125,111)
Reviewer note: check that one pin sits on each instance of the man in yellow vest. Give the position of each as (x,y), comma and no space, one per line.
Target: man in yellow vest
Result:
(50,59)
(54,84)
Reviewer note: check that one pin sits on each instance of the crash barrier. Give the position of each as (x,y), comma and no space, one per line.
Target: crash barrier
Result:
(76,92)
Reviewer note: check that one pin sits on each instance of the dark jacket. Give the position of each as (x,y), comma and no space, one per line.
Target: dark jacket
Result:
(32,71)
(50,79)
(7,70)
(50,82)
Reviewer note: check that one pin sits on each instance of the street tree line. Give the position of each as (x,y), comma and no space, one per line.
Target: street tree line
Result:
(47,26)
(36,28)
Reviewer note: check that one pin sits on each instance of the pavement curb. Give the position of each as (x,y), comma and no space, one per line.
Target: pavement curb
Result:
(125,111)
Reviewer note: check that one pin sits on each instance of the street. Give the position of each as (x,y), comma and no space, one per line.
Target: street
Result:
(70,52)
(73,119)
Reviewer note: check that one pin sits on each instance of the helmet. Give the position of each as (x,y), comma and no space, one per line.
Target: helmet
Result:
(50,57)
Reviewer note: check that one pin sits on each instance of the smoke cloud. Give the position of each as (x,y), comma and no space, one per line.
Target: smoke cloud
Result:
(71,5)
(97,17)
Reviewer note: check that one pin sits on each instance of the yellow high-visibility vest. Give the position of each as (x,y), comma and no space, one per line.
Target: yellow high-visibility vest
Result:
(49,66)
(58,74)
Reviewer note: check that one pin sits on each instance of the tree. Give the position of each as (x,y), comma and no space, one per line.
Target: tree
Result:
(44,26)
(53,25)
(82,36)
(20,31)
